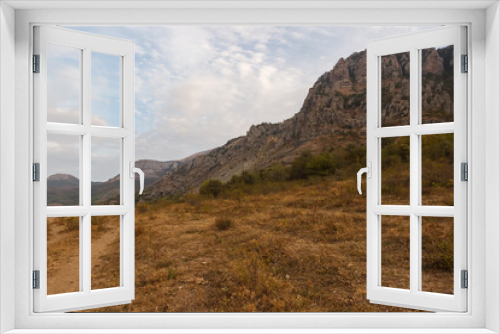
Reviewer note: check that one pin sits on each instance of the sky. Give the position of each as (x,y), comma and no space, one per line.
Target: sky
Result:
(197,86)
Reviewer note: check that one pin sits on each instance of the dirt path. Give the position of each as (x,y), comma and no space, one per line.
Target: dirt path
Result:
(64,260)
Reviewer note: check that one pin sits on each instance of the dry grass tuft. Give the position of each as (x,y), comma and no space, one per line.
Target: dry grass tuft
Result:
(223,223)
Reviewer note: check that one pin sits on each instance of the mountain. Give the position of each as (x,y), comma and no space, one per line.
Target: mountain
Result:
(155,170)
(63,189)
(333,113)
(62,180)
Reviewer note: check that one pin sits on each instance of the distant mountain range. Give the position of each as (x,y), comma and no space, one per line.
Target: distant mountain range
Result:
(333,113)
(63,189)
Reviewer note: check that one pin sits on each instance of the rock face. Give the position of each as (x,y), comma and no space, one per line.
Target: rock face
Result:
(433,63)
(395,95)
(437,85)
(334,108)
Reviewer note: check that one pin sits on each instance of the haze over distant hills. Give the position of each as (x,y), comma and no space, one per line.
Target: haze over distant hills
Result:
(333,113)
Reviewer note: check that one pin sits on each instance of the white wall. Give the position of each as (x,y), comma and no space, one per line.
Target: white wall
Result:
(492,165)
(7,160)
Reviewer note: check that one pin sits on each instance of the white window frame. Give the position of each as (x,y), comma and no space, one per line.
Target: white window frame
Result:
(86,44)
(375,132)
(483,314)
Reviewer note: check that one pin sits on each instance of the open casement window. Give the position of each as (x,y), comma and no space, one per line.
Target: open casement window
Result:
(416,193)
(74,130)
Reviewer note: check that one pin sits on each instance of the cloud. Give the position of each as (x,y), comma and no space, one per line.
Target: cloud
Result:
(63,84)
(63,155)
(105,158)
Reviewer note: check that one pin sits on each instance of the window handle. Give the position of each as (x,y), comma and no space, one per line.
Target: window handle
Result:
(141,175)
(368,171)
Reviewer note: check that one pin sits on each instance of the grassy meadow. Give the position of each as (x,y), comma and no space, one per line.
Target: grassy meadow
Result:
(284,239)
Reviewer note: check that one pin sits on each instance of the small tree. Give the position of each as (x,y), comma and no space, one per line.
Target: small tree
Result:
(211,188)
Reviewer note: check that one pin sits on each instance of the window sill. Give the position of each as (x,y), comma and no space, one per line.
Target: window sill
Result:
(250,331)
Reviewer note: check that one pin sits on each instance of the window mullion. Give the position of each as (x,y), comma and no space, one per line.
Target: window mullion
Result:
(417,125)
(414,172)
(85,184)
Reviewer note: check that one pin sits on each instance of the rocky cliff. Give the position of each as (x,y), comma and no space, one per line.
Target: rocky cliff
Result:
(333,110)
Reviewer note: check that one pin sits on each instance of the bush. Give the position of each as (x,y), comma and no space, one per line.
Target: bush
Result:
(322,164)
(211,188)
(223,224)
(275,173)
(248,178)
(298,170)
(395,151)
(235,179)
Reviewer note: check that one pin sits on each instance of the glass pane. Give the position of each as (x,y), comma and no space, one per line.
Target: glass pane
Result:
(105,89)
(395,95)
(63,170)
(395,251)
(396,171)
(437,254)
(437,85)
(105,252)
(106,163)
(63,255)
(63,84)
(437,169)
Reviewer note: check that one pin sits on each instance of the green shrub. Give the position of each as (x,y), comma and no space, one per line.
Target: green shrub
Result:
(248,178)
(298,170)
(395,151)
(235,179)
(211,188)
(322,164)
(275,173)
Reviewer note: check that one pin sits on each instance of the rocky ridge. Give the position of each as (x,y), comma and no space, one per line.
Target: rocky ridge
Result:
(335,106)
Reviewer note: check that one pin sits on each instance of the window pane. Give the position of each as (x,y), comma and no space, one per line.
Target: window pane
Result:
(395,251)
(437,169)
(105,89)
(437,254)
(396,171)
(63,84)
(105,252)
(395,87)
(437,85)
(63,170)
(63,259)
(106,163)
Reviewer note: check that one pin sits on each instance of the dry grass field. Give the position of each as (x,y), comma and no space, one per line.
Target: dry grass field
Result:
(298,246)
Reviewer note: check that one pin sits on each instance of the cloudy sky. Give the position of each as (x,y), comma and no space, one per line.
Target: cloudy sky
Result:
(198,87)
